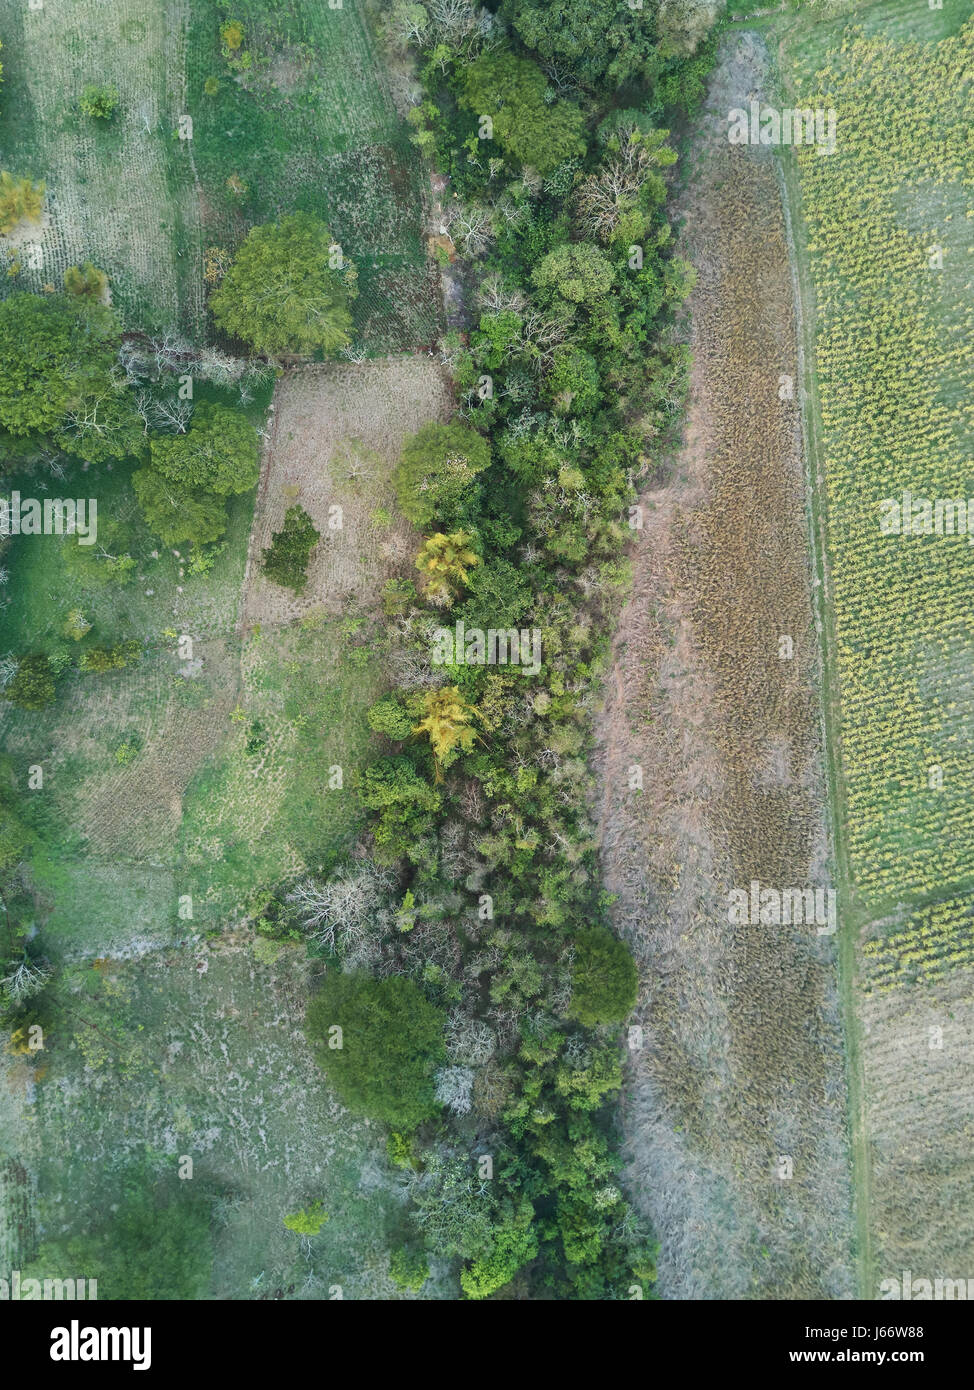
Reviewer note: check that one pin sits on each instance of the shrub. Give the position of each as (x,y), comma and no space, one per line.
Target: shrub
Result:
(308,1221)
(33,686)
(20,201)
(409,1268)
(99,101)
(287,557)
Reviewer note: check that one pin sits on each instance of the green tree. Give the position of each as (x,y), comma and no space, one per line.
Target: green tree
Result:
(514,93)
(33,686)
(287,557)
(604,978)
(572,386)
(99,100)
(391,1044)
(446,561)
(576,274)
(513,1243)
(282,295)
(436,472)
(219,453)
(387,716)
(308,1221)
(56,354)
(597,39)
(409,1268)
(175,512)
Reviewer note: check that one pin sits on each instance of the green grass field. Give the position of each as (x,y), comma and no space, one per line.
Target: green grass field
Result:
(309,125)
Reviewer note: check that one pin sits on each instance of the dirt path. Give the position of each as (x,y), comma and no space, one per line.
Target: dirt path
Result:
(735,1111)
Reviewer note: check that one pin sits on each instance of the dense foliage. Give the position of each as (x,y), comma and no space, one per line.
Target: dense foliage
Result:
(568,382)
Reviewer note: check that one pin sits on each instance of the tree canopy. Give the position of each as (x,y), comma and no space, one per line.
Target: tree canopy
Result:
(391,1044)
(284,294)
(513,92)
(436,473)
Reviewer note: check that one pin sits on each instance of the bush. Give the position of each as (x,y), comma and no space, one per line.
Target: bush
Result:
(99,659)
(604,978)
(287,557)
(391,1044)
(308,1221)
(409,1268)
(20,201)
(388,717)
(33,686)
(99,101)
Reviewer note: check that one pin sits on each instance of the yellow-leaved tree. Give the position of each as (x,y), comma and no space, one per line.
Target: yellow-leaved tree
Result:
(446,720)
(446,560)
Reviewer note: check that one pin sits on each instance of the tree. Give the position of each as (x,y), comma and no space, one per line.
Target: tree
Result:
(595,39)
(219,453)
(286,558)
(572,386)
(20,201)
(403,801)
(409,1267)
(391,1043)
(175,513)
(288,290)
(513,1243)
(575,274)
(446,720)
(56,356)
(87,281)
(604,978)
(513,92)
(308,1221)
(99,100)
(436,472)
(446,561)
(387,716)
(32,687)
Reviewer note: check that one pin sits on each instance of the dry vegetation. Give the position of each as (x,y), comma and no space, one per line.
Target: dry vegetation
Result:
(742,1061)
(918,1057)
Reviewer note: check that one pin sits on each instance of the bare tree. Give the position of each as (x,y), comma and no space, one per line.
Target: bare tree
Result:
(347,908)
(175,414)
(454,1086)
(28,978)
